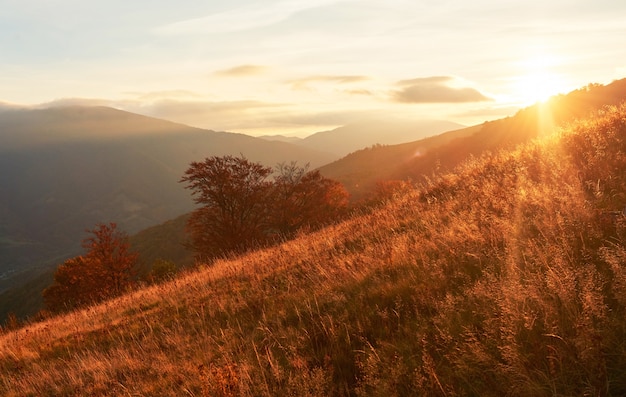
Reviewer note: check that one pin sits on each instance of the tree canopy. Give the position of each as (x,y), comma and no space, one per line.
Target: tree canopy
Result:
(233,193)
(105,270)
(241,207)
(302,198)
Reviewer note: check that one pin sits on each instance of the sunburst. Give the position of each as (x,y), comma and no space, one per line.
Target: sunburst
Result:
(537,80)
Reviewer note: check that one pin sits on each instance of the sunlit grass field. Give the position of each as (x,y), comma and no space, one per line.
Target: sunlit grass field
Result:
(506,277)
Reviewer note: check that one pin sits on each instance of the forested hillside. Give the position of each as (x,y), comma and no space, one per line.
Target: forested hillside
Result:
(504,277)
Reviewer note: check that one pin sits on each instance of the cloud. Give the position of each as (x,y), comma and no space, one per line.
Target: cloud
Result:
(185,107)
(435,89)
(241,18)
(425,80)
(252,117)
(175,106)
(303,83)
(167,94)
(359,92)
(69,102)
(241,71)
(4,106)
(215,115)
(323,118)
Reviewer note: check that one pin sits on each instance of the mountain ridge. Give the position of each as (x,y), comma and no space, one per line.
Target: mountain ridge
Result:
(362,134)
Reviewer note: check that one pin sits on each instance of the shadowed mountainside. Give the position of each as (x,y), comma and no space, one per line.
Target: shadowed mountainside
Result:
(166,241)
(62,170)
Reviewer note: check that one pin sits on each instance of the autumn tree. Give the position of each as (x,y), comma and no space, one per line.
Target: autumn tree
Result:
(242,208)
(233,193)
(105,270)
(74,285)
(304,198)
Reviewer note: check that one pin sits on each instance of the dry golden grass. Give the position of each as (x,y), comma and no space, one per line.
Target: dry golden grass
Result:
(505,278)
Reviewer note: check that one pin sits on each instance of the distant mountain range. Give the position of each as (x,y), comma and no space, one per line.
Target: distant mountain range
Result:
(349,138)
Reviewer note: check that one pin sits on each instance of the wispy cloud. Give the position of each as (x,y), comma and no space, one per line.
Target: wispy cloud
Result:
(187,108)
(303,83)
(359,92)
(246,116)
(435,89)
(167,94)
(323,118)
(241,18)
(176,107)
(9,106)
(68,102)
(216,115)
(242,70)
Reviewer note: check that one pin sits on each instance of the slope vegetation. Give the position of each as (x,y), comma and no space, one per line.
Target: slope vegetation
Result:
(506,277)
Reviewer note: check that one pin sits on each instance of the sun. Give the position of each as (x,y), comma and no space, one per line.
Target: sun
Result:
(537,87)
(537,81)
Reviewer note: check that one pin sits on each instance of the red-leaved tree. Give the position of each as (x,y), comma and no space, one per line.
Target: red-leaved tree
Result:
(104,271)
(241,208)
(233,193)
(304,198)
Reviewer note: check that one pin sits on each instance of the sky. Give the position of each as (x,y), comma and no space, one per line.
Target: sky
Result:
(295,67)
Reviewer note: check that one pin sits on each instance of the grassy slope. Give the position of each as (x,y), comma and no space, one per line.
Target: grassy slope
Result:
(504,278)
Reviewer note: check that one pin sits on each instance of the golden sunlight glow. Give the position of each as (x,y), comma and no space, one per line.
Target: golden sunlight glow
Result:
(537,82)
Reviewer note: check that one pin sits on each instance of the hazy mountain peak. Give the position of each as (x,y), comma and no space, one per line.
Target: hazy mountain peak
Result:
(28,127)
(365,133)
